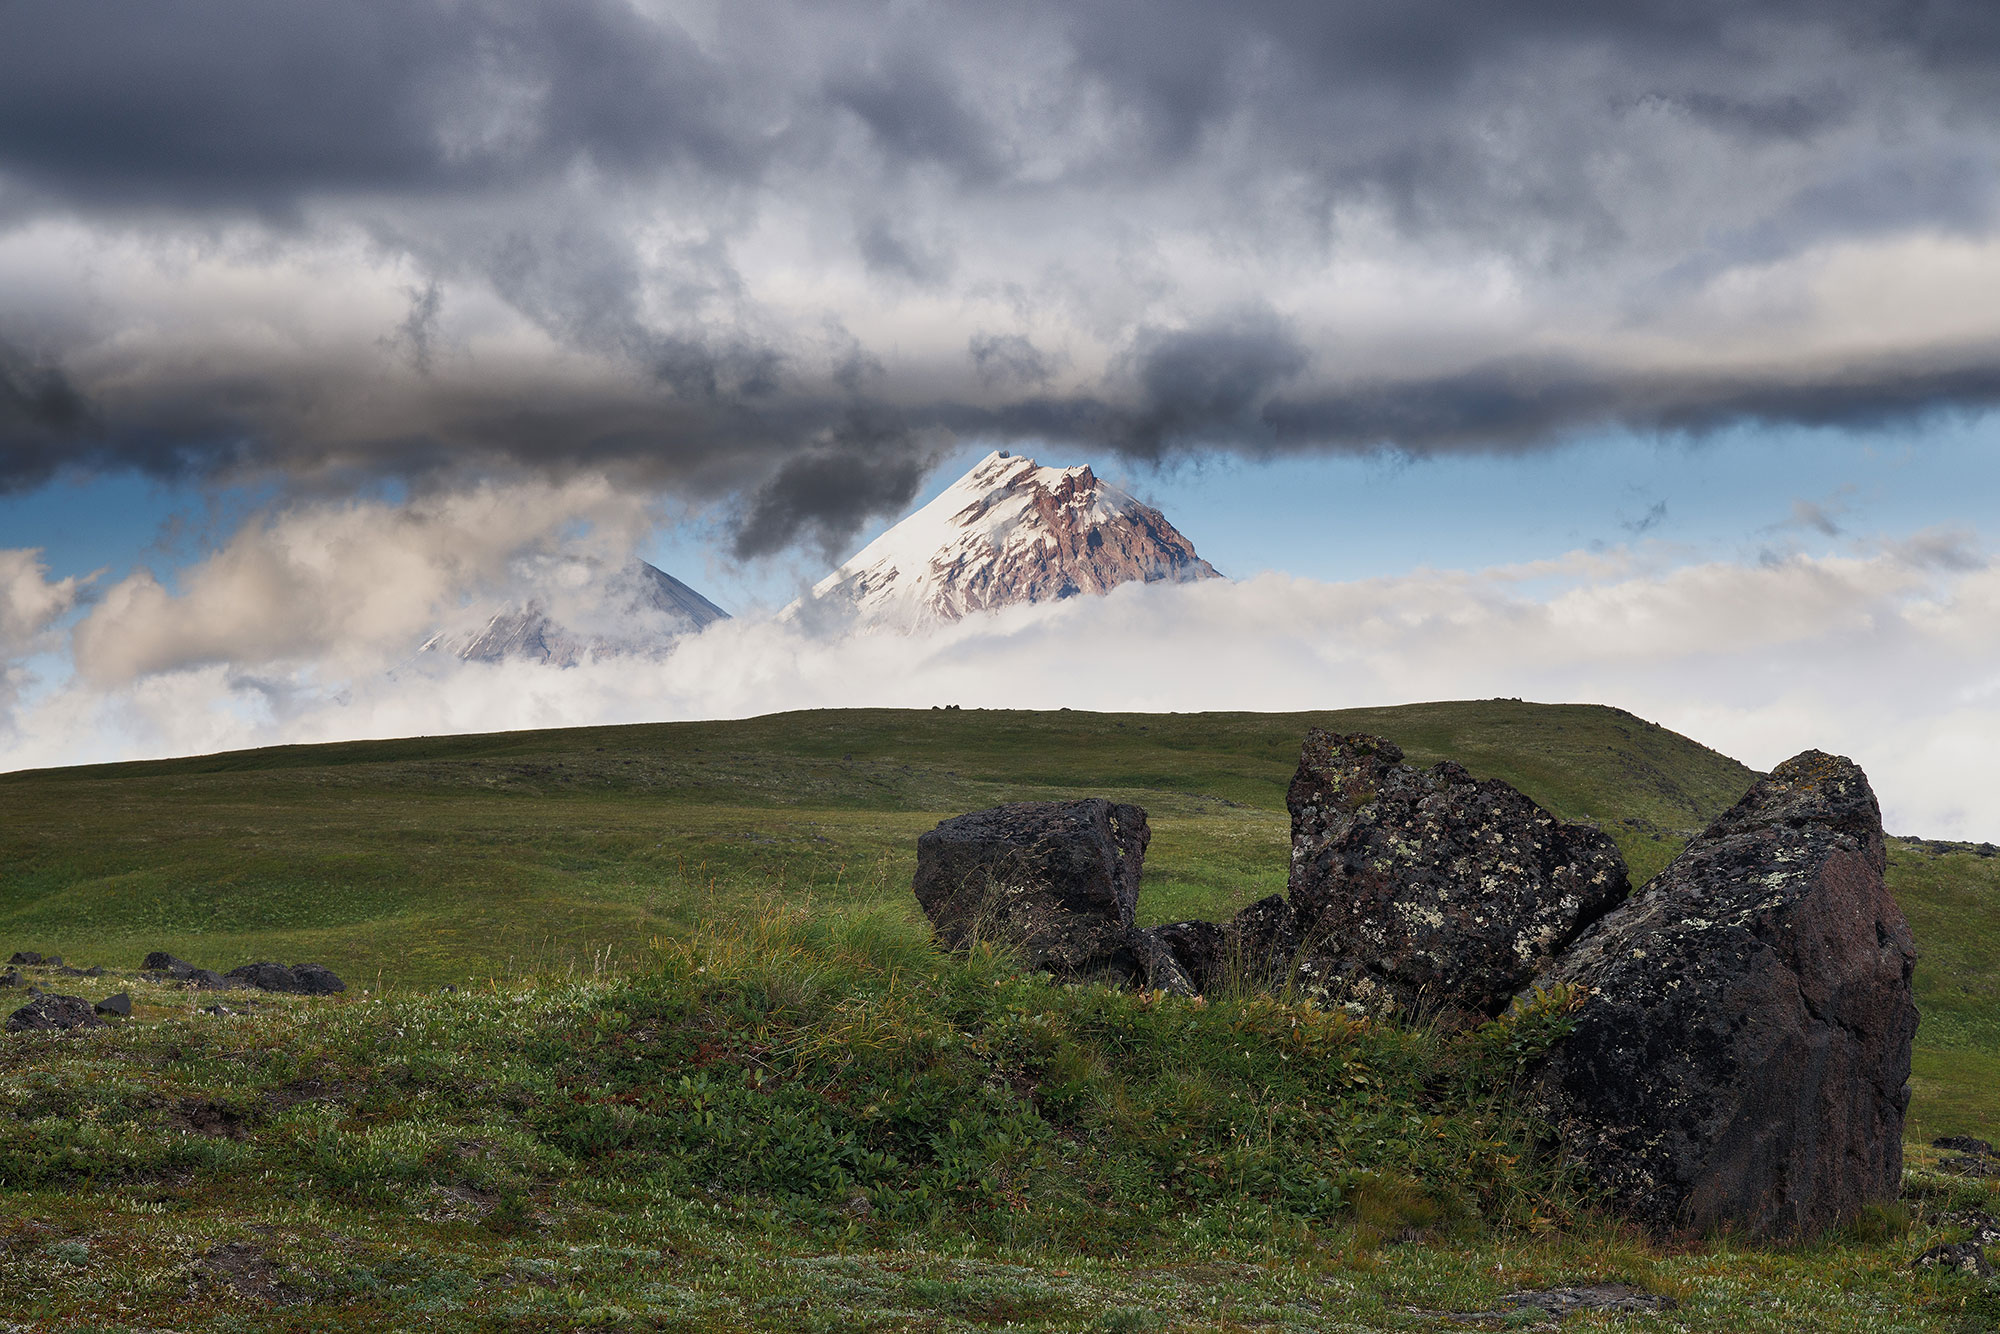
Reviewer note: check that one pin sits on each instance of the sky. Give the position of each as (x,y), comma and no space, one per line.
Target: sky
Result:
(1644,354)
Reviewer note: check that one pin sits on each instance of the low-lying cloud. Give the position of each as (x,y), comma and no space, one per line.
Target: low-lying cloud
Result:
(1884,653)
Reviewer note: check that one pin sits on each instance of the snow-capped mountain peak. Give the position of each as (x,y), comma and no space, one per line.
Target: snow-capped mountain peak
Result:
(1010,531)
(579,610)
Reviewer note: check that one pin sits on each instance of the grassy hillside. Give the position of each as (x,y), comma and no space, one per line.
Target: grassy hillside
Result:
(441,859)
(435,859)
(821,1124)
(785,1120)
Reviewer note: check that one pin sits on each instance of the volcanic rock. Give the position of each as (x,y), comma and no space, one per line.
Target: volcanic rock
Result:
(164,967)
(1967,1257)
(119,1005)
(1252,951)
(1430,890)
(49,1012)
(1741,1047)
(301,979)
(1056,881)
(25,959)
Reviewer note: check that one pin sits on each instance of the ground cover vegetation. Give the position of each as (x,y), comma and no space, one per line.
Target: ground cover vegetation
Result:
(703,1070)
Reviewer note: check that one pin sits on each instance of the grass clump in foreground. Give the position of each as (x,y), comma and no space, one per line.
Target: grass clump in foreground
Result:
(818,1123)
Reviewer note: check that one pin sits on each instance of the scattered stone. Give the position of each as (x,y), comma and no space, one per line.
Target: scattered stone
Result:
(10,978)
(1431,891)
(1253,951)
(1980,1227)
(1596,1297)
(120,1005)
(164,967)
(217,1009)
(1741,1051)
(25,958)
(1978,1148)
(1557,1304)
(1967,1257)
(1054,880)
(50,1013)
(302,979)
(317,980)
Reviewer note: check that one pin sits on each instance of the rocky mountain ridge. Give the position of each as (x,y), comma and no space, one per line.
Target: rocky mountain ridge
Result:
(583,611)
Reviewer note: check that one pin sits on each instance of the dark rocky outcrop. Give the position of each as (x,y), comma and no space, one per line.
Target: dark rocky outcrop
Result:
(1742,1037)
(164,967)
(1056,881)
(300,979)
(1428,890)
(49,1012)
(119,1005)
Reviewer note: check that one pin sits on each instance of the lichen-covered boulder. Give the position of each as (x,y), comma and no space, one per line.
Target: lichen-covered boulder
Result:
(1055,881)
(50,1012)
(1741,1047)
(1428,890)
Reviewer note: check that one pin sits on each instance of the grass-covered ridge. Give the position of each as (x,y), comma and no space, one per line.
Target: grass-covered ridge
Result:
(447,859)
(438,859)
(805,1122)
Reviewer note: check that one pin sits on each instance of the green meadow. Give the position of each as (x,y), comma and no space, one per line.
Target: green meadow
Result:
(699,1068)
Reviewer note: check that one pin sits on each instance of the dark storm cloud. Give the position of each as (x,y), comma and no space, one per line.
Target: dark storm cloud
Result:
(869,466)
(602,167)
(199,104)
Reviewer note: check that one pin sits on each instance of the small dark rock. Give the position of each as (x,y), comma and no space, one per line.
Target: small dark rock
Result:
(25,958)
(305,979)
(166,968)
(1252,951)
(1965,1256)
(1980,1227)
(10,978)
(1970,1165)
(120,1005)
(48,1013)
(317,980)
(217,1009)
(1596,1297)
(302,979)
(1963,1144)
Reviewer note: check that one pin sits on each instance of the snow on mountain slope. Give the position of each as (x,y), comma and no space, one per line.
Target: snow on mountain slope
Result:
(1007,532)
(580,611)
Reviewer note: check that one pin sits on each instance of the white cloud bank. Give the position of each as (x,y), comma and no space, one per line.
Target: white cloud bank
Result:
(302,629)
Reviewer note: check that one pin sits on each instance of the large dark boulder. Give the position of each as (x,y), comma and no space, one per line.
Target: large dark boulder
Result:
(1741,1047)
(1055,881)
(1428,890)
(49,1012)
(300,979)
